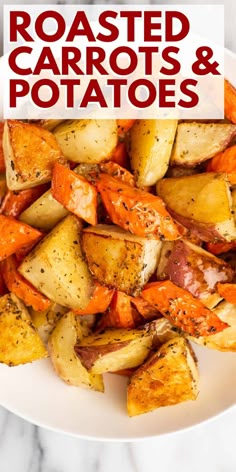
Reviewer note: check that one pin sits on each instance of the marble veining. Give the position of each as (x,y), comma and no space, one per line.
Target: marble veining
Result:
(207,448)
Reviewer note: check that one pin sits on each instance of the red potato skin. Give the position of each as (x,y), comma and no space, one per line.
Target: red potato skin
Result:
(206,232)
(195,272)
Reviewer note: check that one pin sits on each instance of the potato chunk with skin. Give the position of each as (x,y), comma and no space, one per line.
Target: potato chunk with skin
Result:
(202,203)
(150,148)
(168,377)
(65,362)
(115,349)
(119,259)
(194,269)
(57,268)
(30,152)
(44,213)
(197,142)
(87,141)
(19,341)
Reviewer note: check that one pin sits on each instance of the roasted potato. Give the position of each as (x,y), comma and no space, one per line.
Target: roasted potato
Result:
(30,152)
(44,213)
(50,125)
(197,142)
(119,259)
(19,341)
(56,266)
(150,148)
(45,321)
(194,269)
(168,377)
(88,141)
(163,331)
(114,349)
(65,362)
(225,340)
(202,203)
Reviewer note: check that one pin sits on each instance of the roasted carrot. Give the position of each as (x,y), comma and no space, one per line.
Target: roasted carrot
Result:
(2,162)
(23,251)
(118,172)
(230,101)
(136,211)
(14,235)
(75,193)
(120,155)
(21,288)
(99,302)
(146,310)
(17,201)
(220,248)
(182,309)
(120,314)
(228,292)
(124,126)
(121,311)
(224,162)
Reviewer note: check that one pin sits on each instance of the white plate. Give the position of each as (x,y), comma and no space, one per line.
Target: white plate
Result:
(35,392)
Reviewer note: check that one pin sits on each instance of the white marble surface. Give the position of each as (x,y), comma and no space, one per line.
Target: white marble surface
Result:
(206,448)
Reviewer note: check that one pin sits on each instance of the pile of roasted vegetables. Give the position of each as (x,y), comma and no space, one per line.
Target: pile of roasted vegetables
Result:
(117,249)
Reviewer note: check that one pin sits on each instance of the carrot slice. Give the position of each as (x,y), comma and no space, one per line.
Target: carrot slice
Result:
(136,211)
(220,248)
(224,162)
(120,155)
(228,292)
(99,302)
(120,314)
(230,101)
(182,309)
(75,193)
(121,311)
(14,235)
(2,161)
(124,126)
(17,201)
(118,172)
(21,288)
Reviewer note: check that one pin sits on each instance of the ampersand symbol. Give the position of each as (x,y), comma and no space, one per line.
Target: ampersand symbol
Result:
(202,66)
